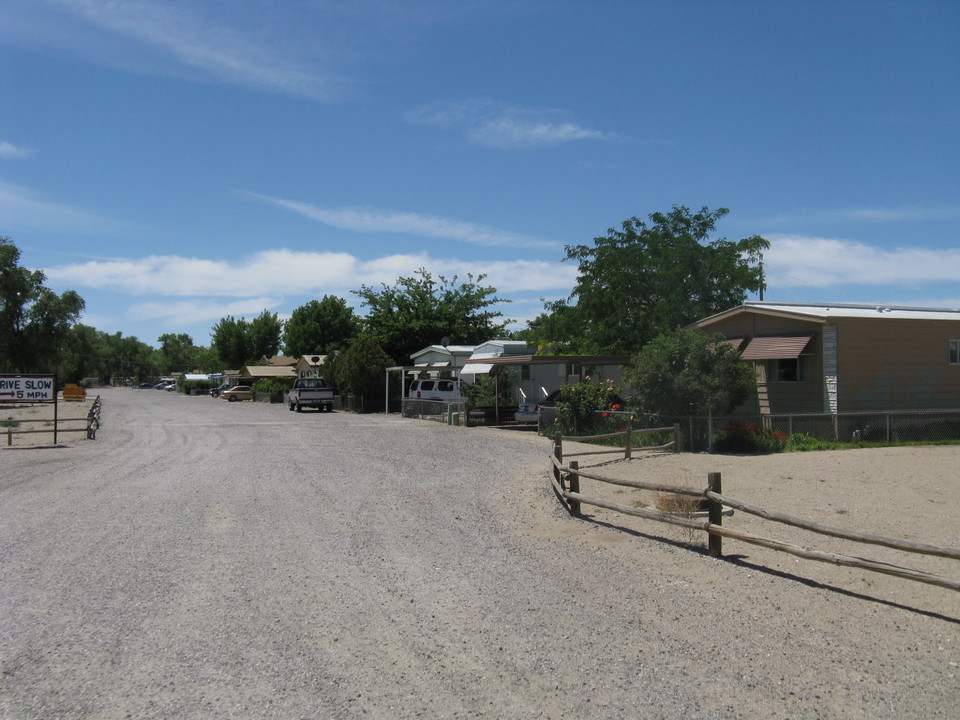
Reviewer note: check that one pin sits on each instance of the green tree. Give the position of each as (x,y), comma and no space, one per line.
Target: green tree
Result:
(320,326)
(688,372)
(420,311)
(560,330)
(360,370)
(230,340)
(643,280)
(177,352)
(264,334)
(34,320)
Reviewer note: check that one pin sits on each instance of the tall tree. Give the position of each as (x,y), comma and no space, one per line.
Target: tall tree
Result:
(320,326)
(230,340)
(419,311)
(178,352)
(643,280)
(34,320)
(264,334)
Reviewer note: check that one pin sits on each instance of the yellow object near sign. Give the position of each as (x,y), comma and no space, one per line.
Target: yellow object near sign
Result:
(74,393)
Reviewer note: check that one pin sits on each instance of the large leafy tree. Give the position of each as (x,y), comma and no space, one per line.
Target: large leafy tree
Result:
(688,372)
(264,332)
(229,339)
(645,279)
(320,326)
(177,352)
(238,342)
(419,311)
(34,320)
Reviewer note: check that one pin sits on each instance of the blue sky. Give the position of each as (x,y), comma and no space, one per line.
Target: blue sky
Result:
(179,161)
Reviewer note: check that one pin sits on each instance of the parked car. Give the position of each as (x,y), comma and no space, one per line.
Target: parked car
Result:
(220,389)
(237,392)
(530,411)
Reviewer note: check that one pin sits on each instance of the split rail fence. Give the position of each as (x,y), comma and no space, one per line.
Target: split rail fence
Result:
(91,424)
(566,478)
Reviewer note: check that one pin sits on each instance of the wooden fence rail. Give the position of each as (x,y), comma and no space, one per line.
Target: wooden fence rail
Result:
(566,483)
(91,424)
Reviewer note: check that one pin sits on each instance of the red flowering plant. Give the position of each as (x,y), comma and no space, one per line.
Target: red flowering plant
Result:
(739,436)
(587,408)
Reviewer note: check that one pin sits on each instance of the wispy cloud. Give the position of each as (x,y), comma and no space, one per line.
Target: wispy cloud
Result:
(795,261)
(289,272)
(9,151)
(494,124)
(145,32)
(21,208)
(904,213)
(374,220)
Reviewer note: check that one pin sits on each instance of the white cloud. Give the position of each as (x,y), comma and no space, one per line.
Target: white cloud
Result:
(374,220)
(9,151)
(795,260)
(189,312)
(279,272)
(502,126)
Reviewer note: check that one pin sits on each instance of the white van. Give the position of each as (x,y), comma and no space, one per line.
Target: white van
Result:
(435,389)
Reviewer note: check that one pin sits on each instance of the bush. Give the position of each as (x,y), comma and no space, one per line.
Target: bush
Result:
(580,407)
(270,385)
(742,437)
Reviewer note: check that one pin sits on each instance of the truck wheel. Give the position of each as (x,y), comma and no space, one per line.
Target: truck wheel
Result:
(299,408)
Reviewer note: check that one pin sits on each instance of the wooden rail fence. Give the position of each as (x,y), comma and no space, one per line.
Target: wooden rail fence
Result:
(92,424)
(566,483)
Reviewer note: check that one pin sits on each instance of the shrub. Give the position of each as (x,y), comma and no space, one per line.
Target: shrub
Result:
(742,437)
(580,407)
(270,385)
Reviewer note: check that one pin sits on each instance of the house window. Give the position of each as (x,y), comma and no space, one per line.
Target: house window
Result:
(787,369)
(524,372)
(955,352)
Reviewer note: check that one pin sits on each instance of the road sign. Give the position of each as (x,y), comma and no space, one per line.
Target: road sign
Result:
(27,388)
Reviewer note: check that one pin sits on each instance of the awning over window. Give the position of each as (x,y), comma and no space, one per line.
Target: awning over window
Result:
(476,368)
(776,347)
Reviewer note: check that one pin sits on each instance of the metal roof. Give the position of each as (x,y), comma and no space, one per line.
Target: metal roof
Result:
(824,312)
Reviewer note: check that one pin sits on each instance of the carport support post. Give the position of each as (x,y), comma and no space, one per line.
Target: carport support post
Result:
(628,450)
(715,510)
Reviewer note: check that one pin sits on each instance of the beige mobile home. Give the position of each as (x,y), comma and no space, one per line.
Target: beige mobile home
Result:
(845,358)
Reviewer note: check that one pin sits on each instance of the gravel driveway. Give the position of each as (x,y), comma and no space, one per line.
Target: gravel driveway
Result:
(204,559)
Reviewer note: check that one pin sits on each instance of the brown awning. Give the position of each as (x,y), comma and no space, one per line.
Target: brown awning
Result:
(776,347)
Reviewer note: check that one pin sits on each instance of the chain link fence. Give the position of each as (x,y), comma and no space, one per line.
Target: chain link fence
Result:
(885,427)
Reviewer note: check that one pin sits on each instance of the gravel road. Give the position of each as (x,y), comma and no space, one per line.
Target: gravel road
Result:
(205,559)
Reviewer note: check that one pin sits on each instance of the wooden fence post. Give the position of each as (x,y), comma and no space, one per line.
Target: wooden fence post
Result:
(628,450)
(677,442)
(715,510)
(574,485)
(558,456)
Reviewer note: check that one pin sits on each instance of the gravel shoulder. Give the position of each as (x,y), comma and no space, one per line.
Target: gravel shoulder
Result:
(206,559)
